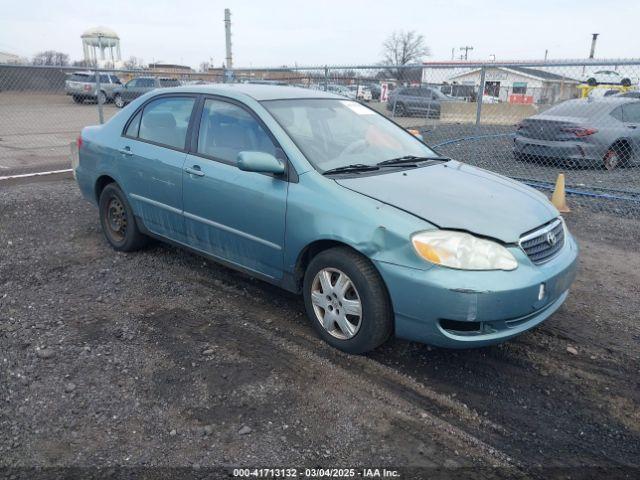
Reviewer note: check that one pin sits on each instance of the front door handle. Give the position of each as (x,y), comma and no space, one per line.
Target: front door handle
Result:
(195,170)
(126,151)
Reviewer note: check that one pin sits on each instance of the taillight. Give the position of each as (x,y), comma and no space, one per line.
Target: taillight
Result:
(579,131)
(87,88)
(79,142)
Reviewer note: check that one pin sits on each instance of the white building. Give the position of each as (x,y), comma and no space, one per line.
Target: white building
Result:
(520,84)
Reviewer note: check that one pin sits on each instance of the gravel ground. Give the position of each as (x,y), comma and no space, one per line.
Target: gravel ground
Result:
(160,358)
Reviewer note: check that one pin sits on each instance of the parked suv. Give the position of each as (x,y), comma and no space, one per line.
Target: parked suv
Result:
(82,86)
(419,100)
(139,86)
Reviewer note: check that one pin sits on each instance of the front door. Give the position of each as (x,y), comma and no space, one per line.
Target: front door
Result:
(631,119)
(154,150)
(234,215)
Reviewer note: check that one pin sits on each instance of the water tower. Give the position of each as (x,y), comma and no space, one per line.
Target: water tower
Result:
(100,46)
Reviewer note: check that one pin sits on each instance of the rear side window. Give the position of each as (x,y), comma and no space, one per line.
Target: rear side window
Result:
(134,126)
(165,121)
(631,113)
(226,130)
(169,82)
(146,82)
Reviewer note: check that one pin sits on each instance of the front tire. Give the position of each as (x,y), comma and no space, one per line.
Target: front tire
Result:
(118,101)
(592,82)
(118,222)
(347,301)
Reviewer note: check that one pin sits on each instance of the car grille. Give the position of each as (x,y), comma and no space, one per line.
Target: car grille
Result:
(543,243)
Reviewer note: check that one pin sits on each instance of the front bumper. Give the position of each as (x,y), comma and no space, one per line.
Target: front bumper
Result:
(578,153)
(462,309)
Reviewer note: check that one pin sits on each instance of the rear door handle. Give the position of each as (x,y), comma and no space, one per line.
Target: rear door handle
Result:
(126,151)
(195,170)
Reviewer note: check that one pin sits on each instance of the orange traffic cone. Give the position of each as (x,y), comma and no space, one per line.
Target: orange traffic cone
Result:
(559,198)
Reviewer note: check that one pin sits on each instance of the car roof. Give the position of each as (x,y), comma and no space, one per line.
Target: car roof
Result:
(256,91)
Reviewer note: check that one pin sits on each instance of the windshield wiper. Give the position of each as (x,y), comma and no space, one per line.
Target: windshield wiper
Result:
(409,159)
(355,167)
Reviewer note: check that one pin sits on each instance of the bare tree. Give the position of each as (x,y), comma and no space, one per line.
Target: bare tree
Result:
(51,57)
(204,67)
(403,48)
(134,63)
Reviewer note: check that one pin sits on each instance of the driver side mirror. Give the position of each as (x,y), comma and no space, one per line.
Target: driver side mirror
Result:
(260,162)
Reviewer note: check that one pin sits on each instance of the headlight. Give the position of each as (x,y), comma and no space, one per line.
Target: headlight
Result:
(462,250)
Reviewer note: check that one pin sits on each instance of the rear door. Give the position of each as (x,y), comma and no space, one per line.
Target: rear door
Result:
(234,215)
(153,148)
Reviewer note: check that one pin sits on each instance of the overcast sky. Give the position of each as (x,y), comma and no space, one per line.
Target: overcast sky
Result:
(286,32)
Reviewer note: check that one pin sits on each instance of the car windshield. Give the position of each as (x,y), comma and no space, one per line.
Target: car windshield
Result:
(335,133)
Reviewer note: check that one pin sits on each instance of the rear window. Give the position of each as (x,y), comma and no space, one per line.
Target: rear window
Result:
(169,82)
(81,77)
(579,108)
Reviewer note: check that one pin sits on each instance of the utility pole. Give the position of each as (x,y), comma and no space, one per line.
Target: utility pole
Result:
(453,53)
(466,51)
(227,33)
(546,54)
(594,38)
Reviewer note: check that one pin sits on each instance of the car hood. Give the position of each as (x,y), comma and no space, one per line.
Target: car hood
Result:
(457,196)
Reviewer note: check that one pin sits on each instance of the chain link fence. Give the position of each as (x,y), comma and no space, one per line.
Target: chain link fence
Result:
(526,120)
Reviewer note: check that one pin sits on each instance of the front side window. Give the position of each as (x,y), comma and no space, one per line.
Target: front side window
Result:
(226,130)
(146,82)
(132,83)
(333,133)
(165,121)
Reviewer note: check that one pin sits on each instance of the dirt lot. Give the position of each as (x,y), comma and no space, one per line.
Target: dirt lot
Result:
(160,358)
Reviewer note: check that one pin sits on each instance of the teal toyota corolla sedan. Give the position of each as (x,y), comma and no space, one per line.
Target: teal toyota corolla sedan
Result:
(323,196)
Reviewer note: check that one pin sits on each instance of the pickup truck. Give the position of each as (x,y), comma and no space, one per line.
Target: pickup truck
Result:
(82,86)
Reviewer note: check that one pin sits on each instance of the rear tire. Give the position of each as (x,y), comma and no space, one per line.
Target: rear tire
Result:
(364,298)
(625,82)
(101,97)
(78,99)
(592,82)
(118,222)
(616,156)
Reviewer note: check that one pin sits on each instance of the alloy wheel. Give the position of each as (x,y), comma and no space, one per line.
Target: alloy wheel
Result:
(611,160)
(336,303)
